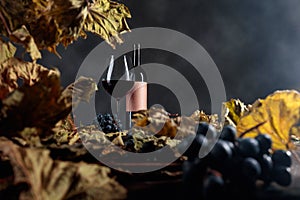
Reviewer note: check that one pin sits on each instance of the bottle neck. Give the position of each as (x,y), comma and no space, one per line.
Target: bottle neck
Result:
(136,55)
(138,74)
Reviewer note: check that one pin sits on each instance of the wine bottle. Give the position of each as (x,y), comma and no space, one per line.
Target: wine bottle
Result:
(136,98)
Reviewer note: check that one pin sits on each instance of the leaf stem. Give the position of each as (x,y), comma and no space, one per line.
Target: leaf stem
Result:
(4,23)
(253,128)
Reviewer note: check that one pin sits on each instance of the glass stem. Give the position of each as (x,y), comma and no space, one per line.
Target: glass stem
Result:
(118,109)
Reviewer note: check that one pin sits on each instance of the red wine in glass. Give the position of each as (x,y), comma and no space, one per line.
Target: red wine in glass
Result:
(117,81)
(117,88)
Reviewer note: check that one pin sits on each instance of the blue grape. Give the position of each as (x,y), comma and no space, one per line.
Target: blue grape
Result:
(213,187)
(266,164)
(248,147)
(282,175)
(193,150)
(251,168)
(221,151)
(228,133)
(108,123)
(202,128)
(265,143)
(282,158)
(207,130)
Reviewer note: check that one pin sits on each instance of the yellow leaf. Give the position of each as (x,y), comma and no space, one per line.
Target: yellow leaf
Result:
(107,19)
(232,111)
(275,115)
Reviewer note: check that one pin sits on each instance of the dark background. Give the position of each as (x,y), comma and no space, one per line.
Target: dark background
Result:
(254,43)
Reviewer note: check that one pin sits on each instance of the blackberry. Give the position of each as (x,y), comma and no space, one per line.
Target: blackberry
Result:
(108,123)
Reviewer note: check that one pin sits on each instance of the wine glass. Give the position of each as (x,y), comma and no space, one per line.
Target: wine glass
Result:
(117,81)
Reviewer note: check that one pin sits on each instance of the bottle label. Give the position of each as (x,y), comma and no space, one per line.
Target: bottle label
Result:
(136,99)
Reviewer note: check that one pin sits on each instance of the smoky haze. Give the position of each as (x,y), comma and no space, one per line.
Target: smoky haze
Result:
(254,43)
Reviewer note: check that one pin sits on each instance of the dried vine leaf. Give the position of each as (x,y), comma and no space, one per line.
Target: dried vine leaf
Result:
(107,19)
(39,103)
(232,111)
(201,116)
(51,22)
(45,105)
(23,36)
(81,90)
(13,69)
(277,114)
(34,175)
(7,50)
(159,122)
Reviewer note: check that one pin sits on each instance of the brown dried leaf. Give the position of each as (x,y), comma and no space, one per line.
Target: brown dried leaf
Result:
(7,50)
(13,69)
(34,175)
(51,22)
(38,103)
(201,116)
(276,115)
(23,37)
(81,90)
(107,19)
(159,122)
(13,14)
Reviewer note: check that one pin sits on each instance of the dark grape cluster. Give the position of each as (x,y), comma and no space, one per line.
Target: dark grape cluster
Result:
(233,165)
(108,123)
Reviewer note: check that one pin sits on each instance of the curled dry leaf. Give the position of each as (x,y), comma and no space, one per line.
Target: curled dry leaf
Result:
(7,50)
(14,70)
(162,123)
(232,111)
(23,36)
(276,115)
(51,22)
(107,19)
(81,90)
(45,105)
(32,174)
(201,116)
(38,103)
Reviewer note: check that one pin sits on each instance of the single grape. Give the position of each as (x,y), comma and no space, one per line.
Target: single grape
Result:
(282,158)
(248,147)
(207,130)
(202,128)
(282,175)
(115,128)
(265,143)
(213,187)
(108,128)
(221,150)
(220,154)
(129,145)
(250,171)
(251,168)
(193,150)
(193,171)
(228,133)
(266,164)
